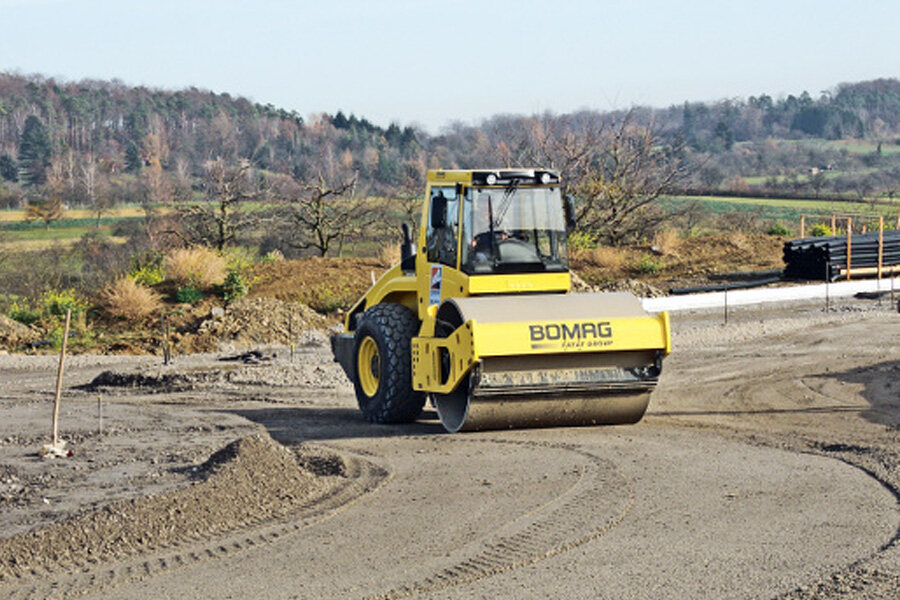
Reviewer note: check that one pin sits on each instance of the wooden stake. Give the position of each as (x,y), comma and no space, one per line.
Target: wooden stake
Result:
(59,376)
(802,225)
(165,336)
(833,224)
(99,415)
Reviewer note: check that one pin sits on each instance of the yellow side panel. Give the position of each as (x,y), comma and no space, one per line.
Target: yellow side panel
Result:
(426,360)
(519,282)
(552,337)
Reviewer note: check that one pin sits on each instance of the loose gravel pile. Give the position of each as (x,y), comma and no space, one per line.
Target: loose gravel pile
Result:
(251,321)
(252,480)
(13,333)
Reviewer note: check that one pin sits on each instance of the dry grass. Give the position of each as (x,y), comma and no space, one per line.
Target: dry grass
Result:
(389,255)
(667,242)
(606,257)
(199,267)
(740,241)
(130,300)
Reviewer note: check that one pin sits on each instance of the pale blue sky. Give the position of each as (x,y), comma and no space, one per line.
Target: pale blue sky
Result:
(430,63)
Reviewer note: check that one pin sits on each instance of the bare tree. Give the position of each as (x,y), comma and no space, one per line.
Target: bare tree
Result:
(620,189)
(217,221)
(93,188)
(326,212)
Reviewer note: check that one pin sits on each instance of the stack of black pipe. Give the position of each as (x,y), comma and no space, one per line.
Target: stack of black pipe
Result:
(825,258)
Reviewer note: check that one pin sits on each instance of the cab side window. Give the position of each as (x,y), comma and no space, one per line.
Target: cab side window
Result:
(443,225)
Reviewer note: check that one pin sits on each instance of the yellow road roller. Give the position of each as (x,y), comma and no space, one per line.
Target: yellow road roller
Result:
(478,317)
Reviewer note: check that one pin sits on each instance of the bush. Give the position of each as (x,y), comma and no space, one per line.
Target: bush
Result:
(272,256)
(146,268)
(23,314)
(580,241)
(240,257)
(128,299)
(189,295)
(648,266)
(820,230)
(147,275)
(778,229)
(234,287)
(55,303)
(197,267)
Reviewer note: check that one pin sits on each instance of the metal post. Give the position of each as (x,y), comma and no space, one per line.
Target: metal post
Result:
(726,306)
(849,243)
(880,243)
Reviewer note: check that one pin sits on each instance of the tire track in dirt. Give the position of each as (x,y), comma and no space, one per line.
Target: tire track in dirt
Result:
(362,477)
(576,515)
(570,520)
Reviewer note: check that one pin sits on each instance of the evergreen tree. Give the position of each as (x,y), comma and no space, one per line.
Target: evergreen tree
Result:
(8,170)
(34,152)
(133,160)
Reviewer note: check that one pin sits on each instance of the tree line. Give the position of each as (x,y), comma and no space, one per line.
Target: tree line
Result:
(98,143)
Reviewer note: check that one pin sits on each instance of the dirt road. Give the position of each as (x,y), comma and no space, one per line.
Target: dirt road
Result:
(767,467)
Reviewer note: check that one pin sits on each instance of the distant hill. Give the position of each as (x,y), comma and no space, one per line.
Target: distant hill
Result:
(50,130)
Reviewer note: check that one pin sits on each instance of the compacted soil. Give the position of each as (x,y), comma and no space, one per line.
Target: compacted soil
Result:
(767,467)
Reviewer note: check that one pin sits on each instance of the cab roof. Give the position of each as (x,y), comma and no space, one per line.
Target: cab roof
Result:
(500,176)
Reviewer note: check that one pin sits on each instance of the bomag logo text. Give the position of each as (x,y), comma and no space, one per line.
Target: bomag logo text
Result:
(570,332)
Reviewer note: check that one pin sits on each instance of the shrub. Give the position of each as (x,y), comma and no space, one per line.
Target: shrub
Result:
(128,299)
(648,266)
(240,257)
(189,295)
(147,275)
(197,267)
(581,240)
(55,303)
(605,257)
(778,229)
(234,287)
(272,256)
(23,314)
(820,230)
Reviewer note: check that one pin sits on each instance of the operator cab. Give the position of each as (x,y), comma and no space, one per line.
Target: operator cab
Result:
(505,221)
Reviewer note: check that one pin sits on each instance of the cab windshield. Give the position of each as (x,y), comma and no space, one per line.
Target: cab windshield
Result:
(513,229)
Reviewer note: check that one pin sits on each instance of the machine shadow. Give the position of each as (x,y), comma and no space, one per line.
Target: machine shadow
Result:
(294,425)
(881,390)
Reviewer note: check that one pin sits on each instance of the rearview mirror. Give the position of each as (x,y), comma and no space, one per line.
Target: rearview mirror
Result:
(438,211)
(569,207)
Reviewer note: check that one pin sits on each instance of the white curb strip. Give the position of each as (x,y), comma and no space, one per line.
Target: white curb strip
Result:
(742,297)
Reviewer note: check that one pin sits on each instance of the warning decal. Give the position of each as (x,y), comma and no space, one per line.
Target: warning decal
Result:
(434,296)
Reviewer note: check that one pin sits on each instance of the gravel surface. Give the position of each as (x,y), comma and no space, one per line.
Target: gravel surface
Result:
(767,467)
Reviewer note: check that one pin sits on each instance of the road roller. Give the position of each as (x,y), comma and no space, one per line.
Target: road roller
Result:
(478,317)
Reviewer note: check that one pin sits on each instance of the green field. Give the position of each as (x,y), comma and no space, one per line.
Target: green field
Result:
(781,209)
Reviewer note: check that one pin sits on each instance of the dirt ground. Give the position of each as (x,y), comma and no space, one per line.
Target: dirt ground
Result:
(767,467)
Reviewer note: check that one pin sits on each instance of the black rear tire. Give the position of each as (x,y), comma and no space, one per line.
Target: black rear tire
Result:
(390,397)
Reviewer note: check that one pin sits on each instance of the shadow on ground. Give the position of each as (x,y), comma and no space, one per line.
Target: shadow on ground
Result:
(881,390)
(299,424)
